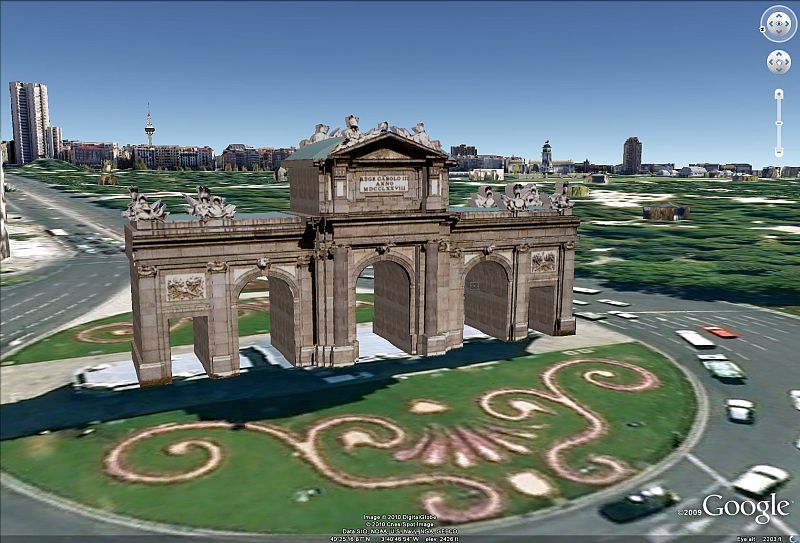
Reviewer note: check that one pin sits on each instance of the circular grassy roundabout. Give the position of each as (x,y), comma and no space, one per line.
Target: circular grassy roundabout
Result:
(464,445)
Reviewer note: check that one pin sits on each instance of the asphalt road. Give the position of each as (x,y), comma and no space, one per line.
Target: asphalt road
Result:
(767,351)
(62,290)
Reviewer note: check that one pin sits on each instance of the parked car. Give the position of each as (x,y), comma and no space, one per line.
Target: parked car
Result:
(724,369)
(588,315)
(760,480)
(614,302)
(623,314)
(639,504)
(712,357)
(742,411)
(795,396)
(720,332)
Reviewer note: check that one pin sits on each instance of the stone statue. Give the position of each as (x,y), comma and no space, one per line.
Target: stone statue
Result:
(513,199)
(521,198)
(139,209)
(483,198)
(382,128)
(400,131)
(351,132)
(320,133)
(280,174)
(560,200)
(420,136)
(207,207)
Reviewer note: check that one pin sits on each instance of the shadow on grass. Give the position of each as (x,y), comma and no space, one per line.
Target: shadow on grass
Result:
(268,393)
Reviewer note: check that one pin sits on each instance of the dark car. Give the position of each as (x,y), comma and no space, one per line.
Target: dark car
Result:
(640,504)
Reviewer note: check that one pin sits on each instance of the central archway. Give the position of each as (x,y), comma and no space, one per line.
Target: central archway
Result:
(391,300)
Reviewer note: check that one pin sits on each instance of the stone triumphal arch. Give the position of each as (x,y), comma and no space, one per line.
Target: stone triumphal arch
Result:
(380,199)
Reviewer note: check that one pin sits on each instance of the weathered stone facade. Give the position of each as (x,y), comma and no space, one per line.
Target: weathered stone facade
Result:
(381,201)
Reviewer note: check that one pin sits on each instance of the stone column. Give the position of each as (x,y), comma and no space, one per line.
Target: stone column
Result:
(221,341)
(340,295)
(344,351)
(566,322)
(521,292)
(305,280)
(432,342)
(150,346)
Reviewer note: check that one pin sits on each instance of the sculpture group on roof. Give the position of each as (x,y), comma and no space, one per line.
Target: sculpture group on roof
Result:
(208,207)
(139,209)
(352,135)
(519,197)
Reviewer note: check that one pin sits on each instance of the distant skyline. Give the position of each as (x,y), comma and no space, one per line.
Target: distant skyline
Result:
(689,79)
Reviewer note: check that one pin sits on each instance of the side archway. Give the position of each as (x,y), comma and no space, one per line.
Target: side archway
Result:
(487,298)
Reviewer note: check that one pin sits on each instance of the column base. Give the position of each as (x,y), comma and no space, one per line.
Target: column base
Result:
(565,327)
(432,345)
(224,366)
(152,373)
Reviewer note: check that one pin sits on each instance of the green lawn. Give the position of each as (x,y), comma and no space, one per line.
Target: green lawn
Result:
(254,487)
(65,344)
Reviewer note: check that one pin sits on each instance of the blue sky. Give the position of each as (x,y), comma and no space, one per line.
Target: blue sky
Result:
(688,78)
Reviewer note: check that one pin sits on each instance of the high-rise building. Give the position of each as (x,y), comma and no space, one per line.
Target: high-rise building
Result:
(30,118)
(53,141)
(632,156)
(464,150)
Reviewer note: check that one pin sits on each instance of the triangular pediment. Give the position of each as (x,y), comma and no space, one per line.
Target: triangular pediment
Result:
(385,153)
(386,147)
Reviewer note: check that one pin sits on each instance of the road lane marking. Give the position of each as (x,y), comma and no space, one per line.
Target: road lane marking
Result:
(757,346)
(706,468)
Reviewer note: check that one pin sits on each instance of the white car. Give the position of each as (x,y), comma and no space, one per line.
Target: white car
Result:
(584,290)
(760,480)
(580,302)
(795,396)
(589,315)
(743,411)
(623,314)
(712,357)
(614,302)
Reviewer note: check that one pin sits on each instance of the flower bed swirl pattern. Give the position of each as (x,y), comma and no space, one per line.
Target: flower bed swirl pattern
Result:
(460,447)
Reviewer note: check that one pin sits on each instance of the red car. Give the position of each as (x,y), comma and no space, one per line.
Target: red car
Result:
(721,332)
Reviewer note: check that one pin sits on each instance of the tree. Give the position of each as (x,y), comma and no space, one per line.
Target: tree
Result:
(139,164)
(227,167)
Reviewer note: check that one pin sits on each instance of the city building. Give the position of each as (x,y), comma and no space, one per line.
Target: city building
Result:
(93,154)
(632,156)
(54,142)
(7,155)
(238,156)
(515,164)
(692,171)
(656,167)
(463,150)
(172,157)
(30,118)
(546,165)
